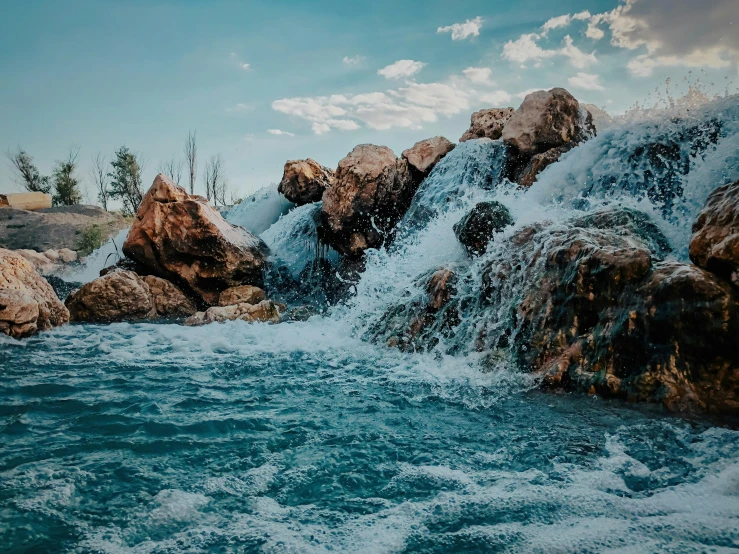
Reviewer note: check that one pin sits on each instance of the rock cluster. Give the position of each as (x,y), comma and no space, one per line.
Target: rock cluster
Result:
(265,311)
(27,302)
(181,238)
(49,261)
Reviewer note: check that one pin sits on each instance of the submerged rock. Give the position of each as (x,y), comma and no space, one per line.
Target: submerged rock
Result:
(487,124)
(181,238)
(304,181)
(425,154)
(27,302)
(478,228)
(371,192)
(265,311)
(715,242)
(122,295)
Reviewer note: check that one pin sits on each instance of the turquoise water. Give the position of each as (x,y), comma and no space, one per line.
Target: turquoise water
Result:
(299,438)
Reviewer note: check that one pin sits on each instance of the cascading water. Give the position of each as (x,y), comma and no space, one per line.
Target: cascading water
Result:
(302,437)
(108,254)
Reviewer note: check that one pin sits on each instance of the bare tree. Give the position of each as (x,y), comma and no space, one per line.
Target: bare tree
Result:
(100,177)
(191,158)
(215,180)
(27,173)
(172,168)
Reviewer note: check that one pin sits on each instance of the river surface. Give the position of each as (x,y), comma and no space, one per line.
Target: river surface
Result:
(299,438)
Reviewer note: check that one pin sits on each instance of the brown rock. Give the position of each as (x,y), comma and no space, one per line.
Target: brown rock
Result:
(487,123)
(67,255)
(168,300)
(266,311)
(539,163)
(425,154)
(304,181)
(18,274)
(245,294)
(119,295)
(40,262)
(371,192)
(181,238)
(715,243)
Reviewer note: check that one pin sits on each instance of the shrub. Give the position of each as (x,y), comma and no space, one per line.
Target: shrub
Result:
(91,239)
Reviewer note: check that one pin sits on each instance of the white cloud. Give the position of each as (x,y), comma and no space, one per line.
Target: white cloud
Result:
(278,132)
(401,68)
(243,65)
(479,75)
(563,21)
(497,98)
(240,108)
(526,49)
(586,81)
(353,60)
(461,31)
(409,106)
(525,93)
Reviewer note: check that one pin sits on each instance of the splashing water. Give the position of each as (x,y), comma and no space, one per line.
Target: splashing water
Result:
(303,437)
(107,255)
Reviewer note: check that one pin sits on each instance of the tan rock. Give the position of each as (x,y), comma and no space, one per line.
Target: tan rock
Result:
(180,237)
(715,242)
(372,190)
(425,154)
(539,163)
(18,274)
(168,300)
(68,256)
(119,295)
(40,262)
(487,124)
(52,255)
(304,181)
(266,311)
(546,119)
(245,294)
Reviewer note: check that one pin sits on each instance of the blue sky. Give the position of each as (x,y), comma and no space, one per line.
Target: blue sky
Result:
(263,82)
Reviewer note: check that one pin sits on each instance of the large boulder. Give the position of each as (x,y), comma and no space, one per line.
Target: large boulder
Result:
(487,124)
(181,238)
(27,301)
(122,295)
(304,181)
(371,192)
(715,243)
(548,122)
(425,154)
(478,228)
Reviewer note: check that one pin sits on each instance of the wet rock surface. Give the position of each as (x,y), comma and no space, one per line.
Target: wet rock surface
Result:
(478,228)
(425,154)
(28,303)
(264,312)
(181,238)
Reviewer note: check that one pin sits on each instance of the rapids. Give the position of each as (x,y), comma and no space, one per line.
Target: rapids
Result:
(308,437)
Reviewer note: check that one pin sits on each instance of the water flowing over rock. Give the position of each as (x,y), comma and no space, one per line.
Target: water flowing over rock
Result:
(425,154)
(265,311)
(715,243)
(304,181)
(371,192)
(27,302)
(479,226)
(547,122)
(487,123)
(182,239)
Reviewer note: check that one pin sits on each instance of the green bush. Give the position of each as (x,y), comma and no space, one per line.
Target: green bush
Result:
(91,239)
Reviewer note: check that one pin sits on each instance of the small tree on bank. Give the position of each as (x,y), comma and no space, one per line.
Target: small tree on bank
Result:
(125,180)
(191,159)
(66,185)
(100,178)
(27,174)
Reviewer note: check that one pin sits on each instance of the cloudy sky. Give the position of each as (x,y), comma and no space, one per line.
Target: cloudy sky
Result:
(267,81)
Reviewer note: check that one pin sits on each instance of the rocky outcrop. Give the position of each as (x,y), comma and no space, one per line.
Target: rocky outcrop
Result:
(122,295)
(425,154)
(49,261)
(715,242)
(182,239)
(55,228)
(478,228)
(265,311)
(487,124)
(372,190)
(27,302)
(304,181)
(245,294)
(548,122)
